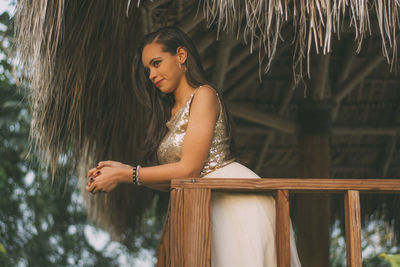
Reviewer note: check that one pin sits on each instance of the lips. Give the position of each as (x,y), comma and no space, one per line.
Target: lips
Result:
(159,83)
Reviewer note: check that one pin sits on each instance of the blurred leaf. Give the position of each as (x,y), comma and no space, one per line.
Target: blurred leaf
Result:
(2,249)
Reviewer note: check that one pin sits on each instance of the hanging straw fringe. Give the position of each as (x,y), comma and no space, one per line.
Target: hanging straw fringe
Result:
(314,21)
(78,57)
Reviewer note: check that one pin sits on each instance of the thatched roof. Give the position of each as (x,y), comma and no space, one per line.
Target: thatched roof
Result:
(79,55)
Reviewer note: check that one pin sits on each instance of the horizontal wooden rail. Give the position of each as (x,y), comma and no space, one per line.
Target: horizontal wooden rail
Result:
(189,228)
(293,185)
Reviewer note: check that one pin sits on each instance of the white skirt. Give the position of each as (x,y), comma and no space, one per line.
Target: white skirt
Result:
(243,225)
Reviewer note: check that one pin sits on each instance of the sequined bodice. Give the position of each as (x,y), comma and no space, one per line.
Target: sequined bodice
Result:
(171,146)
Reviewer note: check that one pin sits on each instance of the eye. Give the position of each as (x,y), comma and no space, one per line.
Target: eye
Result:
(156,63)
(146,71)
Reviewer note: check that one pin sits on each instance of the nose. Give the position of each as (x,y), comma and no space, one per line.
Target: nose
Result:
(152,74)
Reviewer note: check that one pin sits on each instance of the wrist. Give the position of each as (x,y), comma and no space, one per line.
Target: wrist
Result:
(126,176)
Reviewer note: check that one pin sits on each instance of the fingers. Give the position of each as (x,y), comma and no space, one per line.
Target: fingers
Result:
(93,187)
(91,172)
(107,163)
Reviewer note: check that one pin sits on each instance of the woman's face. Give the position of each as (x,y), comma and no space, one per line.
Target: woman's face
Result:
(162,67)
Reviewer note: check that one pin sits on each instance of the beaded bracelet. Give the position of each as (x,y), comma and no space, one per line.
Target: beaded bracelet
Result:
(135,175)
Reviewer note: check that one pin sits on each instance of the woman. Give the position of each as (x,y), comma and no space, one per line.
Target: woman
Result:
(189,136)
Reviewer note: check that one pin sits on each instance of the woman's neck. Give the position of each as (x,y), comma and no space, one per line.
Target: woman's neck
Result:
(182,92)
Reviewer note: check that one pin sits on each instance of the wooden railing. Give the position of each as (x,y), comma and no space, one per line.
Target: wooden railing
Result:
(188,241)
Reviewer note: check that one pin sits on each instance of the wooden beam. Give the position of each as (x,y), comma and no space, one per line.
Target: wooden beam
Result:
(387,157)
(321,78)
(353,229)
(347,63)
(145,20)
(208,62)
(365,130)
(250,77)
(296,185)
(246,112)
(348,86)
(254,130)
(351,84)
(154,4)
(205,42)
(390,145)
(282,228)
(336,130)
(248,65)
(221,64)
(190,21)
(270,137)
(244,53)
(180,10)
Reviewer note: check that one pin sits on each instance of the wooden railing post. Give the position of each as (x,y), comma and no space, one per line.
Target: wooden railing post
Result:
(282,228)
(176,228)
(197,232)
(190,228)
(353,228)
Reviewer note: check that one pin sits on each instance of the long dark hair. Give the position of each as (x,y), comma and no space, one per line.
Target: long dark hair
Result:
(160,104)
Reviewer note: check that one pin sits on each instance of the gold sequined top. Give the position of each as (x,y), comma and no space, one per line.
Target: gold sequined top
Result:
(171,146)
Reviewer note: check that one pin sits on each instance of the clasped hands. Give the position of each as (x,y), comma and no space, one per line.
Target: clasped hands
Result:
(105,176)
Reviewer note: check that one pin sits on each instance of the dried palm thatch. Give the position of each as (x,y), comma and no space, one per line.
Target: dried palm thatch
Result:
(314,23)
(78,55)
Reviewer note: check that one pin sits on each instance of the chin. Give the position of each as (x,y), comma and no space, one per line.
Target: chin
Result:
(165,90)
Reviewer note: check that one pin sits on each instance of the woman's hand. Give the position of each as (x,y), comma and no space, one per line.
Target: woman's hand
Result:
(105,180)
(94,172)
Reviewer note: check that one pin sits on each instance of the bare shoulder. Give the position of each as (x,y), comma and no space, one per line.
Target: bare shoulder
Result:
(208,94)
(206,99)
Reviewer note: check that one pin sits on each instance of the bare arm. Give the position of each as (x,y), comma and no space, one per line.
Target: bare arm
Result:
(196,145)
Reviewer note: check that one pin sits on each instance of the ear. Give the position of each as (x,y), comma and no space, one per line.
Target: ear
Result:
(181,54)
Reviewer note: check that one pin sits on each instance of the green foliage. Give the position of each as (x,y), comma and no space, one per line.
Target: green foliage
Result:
(393,259)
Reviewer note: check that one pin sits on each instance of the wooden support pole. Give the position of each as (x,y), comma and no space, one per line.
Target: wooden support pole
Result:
(197,230)
(282,228)
(353,229)
(312,214)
